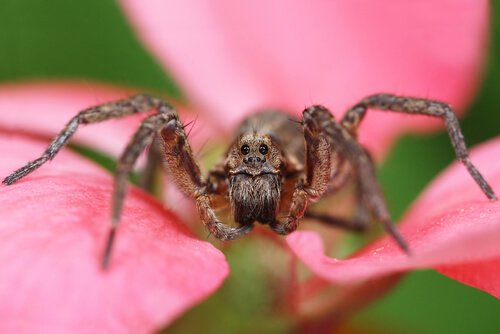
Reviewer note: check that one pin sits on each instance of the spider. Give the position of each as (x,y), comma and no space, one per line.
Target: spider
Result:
(273,169)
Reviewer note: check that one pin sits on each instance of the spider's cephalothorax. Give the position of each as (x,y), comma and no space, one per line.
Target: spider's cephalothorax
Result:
(274,168)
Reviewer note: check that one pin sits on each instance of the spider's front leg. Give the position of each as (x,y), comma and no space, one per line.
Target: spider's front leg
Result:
(181,165)
(413,105)
(316,175)
(319,123)
(186,172)
(116,109)
(178,155)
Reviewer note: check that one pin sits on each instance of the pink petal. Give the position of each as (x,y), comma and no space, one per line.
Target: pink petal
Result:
(452,227)
(235,56)
(52,232)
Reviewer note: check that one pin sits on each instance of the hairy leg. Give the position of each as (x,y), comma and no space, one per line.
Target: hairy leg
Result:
(141,139)
(319,119)
(356,225)
(412,105)
(118,109)
(359,222)
(164,124)
(148,176)
(316,176)
(182,165)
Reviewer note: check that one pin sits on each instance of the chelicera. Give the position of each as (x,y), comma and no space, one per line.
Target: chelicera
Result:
(273,169)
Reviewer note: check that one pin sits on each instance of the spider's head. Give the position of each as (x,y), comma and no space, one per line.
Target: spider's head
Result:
(253,167)
(254,154)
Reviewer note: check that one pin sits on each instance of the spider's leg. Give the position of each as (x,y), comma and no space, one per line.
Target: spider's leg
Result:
(317,174)
(141,139)
(339,138)
(358,223)
(412,105)
(341,172)
(116,109)
(148,177)
(182,165)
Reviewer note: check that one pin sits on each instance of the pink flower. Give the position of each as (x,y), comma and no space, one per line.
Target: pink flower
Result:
(233,57)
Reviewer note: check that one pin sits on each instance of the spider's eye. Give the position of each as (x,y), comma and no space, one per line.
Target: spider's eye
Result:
(245,149)
(263,149)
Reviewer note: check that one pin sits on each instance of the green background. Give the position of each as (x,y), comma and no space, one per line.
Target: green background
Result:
(94,34)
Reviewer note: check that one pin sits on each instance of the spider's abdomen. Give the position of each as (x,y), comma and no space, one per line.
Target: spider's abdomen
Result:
(254,198)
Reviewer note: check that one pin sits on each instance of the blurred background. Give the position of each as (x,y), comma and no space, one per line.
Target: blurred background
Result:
(91,41)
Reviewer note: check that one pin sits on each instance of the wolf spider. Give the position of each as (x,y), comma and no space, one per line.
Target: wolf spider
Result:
(273,168)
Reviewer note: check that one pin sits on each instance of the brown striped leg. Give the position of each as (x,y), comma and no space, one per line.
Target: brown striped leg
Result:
(347,146)
(141,139)
(180,164)
(316,178)
(117,109)
(186,173)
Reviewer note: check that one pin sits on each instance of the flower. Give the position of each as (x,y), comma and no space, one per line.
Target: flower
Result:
(231,58)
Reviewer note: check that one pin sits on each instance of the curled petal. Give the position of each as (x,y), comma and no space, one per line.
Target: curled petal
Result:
(452,227)
(235,56)
(53,229)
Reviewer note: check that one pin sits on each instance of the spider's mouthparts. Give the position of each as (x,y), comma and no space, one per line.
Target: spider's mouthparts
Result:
(254,170)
